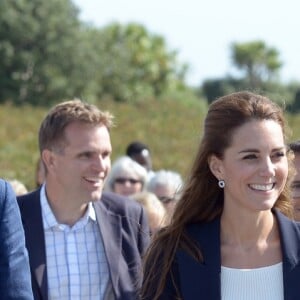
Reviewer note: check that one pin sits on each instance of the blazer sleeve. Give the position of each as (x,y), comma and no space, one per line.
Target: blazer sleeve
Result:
(144,232)
(15,280)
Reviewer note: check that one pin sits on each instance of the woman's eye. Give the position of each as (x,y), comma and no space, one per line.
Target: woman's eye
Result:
(250,156)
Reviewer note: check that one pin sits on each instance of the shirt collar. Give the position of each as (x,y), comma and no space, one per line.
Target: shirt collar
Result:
(49,219)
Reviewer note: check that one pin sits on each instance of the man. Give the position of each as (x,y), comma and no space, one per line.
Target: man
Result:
(140,153)
(81,247)
(14,267)
(295,187)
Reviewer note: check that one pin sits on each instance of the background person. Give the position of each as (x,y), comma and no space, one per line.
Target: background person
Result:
(18,187)
(295,185)
(82,243)
(166,185)
(126,177)
(231,236)
(156,212)
(140,153)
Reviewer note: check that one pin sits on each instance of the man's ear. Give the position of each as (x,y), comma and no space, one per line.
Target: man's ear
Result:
(215,165)
(48,158)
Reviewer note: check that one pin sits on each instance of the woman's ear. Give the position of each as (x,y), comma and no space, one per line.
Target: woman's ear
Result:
(215,165)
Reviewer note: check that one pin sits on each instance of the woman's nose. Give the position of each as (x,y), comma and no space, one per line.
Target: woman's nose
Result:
(268,168)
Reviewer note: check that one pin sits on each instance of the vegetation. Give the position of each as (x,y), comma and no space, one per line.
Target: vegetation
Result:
(171,129)
(259,62)
(47,53)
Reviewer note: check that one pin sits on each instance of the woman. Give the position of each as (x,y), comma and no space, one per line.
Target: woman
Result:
(126,177)
(231,237)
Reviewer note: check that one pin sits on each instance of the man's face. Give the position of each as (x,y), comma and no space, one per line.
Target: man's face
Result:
(295,188)
(80,168)
(144,159)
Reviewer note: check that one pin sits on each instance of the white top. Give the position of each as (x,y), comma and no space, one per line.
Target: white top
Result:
(76,262)
(264,283)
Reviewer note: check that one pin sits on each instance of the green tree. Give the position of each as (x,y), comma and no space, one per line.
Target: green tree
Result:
(37,47)
(134,63)
(215,88)
(259,62)
(48,55)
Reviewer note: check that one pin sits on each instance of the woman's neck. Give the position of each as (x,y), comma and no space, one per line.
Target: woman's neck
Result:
(250,241)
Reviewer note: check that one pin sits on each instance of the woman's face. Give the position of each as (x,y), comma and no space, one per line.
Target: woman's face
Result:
(127,184)
(254,167)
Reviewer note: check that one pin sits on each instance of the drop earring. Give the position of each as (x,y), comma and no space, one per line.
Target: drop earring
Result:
(221,184)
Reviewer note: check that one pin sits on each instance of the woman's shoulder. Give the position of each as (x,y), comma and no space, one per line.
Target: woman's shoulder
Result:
(203,229)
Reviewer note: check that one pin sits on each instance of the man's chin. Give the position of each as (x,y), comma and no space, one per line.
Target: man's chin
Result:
(96,195)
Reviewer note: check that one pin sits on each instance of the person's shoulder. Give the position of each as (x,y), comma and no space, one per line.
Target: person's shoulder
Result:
(2,182)
(29,197)
(204,232)
(4,186)
(5,190)
(119,204)
(286,224)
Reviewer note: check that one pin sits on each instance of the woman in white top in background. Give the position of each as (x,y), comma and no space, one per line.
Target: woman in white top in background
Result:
(231,236)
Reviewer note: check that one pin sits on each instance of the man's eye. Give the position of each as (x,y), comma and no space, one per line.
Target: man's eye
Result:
(86,155)
(279,154)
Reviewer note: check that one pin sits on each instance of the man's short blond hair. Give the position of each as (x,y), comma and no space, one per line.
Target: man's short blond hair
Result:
(52,129)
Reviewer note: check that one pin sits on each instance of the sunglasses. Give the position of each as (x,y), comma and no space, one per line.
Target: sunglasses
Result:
(122,180)
(165,199)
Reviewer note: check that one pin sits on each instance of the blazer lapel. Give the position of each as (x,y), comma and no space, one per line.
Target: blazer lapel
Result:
(202,280)
(35,240)
(290,245)
(110,229)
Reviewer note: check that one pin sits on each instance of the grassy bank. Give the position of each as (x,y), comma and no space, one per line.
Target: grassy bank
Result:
(170,128)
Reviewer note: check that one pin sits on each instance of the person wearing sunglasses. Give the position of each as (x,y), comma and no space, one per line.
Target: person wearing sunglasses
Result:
(295,186)
(126,177)
(166,185)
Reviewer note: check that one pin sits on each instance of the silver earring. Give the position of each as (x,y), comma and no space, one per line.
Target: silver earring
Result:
(221,184)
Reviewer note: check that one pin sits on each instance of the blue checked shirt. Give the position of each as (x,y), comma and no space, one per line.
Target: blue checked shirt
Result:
(76,261)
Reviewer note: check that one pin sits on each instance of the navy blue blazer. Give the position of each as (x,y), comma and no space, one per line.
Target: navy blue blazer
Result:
(14,266)
(124,228)
(202,280)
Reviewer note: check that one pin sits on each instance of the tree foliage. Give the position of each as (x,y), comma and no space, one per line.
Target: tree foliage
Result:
(134,63)
(37,49)
(259,62)
(260,65)
(48,54)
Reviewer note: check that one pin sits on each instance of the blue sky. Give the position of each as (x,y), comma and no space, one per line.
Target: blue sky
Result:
(202,31)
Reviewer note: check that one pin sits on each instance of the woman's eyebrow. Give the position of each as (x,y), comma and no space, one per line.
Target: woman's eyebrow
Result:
(257,151)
